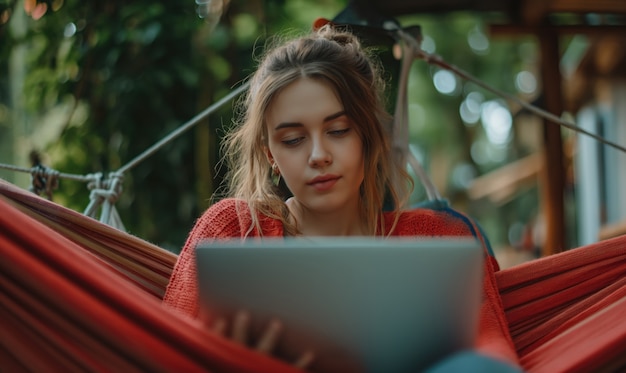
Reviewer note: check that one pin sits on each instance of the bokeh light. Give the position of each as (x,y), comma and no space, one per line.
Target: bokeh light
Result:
(70,30)
(445,82)
(478,41)
(470,108)
(526,82)
(497,122)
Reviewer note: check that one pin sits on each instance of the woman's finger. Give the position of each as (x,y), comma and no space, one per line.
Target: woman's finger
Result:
(305,360)
(268,340)
(241,324)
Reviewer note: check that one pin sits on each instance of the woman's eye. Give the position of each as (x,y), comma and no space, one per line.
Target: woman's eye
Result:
(291,142)
(339,132)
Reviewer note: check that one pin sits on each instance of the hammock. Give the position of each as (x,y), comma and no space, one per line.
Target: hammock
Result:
(80,295)
(566,311)
(75,302)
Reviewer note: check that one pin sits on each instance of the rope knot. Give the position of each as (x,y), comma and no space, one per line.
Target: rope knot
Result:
(108,189)
(104,194)
(43,180)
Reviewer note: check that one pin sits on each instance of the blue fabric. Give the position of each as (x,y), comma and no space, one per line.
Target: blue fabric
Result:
(444,205)
(472,362)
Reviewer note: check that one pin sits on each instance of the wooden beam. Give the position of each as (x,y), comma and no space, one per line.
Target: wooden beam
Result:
(499,185)
(587,6)
(553,173)
(612,230)
(535,11)
(523,30)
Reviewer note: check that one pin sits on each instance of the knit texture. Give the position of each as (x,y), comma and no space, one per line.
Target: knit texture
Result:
(231,218)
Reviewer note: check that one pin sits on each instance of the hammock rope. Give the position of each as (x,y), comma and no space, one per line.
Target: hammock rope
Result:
(400,129)
(182,129)
(104,194)
(37,171)
(437,60)
(44,180)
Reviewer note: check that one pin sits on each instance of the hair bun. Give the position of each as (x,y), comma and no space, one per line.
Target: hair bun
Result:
(341,37)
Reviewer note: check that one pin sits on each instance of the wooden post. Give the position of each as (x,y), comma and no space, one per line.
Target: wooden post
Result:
(553,174)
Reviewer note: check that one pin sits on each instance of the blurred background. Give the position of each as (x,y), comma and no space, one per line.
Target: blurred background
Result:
(87,86)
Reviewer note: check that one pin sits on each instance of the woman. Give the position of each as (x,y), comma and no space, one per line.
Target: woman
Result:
(314,118)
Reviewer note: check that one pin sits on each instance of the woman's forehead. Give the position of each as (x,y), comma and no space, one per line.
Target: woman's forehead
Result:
(303,100)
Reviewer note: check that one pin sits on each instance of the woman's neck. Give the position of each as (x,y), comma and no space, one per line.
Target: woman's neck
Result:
(345,222)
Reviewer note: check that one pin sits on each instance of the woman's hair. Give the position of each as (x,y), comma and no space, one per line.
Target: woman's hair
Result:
(336,58)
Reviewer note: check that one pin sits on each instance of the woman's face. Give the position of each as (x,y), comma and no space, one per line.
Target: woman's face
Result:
(315,146)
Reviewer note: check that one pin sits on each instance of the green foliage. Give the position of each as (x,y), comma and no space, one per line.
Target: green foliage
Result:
(436,125)
(134,72)
(134,66)
(141,70)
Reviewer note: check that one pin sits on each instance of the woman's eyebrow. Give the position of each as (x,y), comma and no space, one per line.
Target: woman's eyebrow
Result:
(287,125)
(334,116)
(298,124)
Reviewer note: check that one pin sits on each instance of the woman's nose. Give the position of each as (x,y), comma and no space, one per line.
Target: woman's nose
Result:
(320,154)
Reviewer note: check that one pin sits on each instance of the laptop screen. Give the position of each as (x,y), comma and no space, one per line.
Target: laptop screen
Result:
(360,303)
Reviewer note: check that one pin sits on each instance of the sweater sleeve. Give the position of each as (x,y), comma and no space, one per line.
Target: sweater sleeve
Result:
(226,218)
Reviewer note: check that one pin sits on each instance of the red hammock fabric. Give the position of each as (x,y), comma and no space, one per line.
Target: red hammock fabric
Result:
(61,309)
(566,311)
(143,263)
(64,304)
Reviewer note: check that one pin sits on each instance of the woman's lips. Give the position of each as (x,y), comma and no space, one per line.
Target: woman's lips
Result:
(323,183)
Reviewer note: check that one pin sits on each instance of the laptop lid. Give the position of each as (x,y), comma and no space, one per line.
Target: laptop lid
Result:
(361,304)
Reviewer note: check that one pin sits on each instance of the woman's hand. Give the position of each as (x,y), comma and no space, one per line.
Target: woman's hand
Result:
(266,343)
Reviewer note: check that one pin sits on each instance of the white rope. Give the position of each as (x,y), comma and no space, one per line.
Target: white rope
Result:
(180,130)
(401,125)
(104,194)
(60,175)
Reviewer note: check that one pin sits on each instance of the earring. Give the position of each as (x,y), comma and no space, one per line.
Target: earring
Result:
(275,174)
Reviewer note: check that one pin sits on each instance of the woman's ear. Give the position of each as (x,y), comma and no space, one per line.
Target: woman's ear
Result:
(269,156)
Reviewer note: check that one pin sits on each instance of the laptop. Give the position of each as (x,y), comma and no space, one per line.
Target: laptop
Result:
(362,304)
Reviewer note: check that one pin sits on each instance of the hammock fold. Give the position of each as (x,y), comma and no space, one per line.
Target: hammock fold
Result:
(564,310)
(61,309)
(78,295)
(145,264)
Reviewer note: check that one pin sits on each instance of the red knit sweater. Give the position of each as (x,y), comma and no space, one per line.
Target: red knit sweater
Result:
(223,220)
